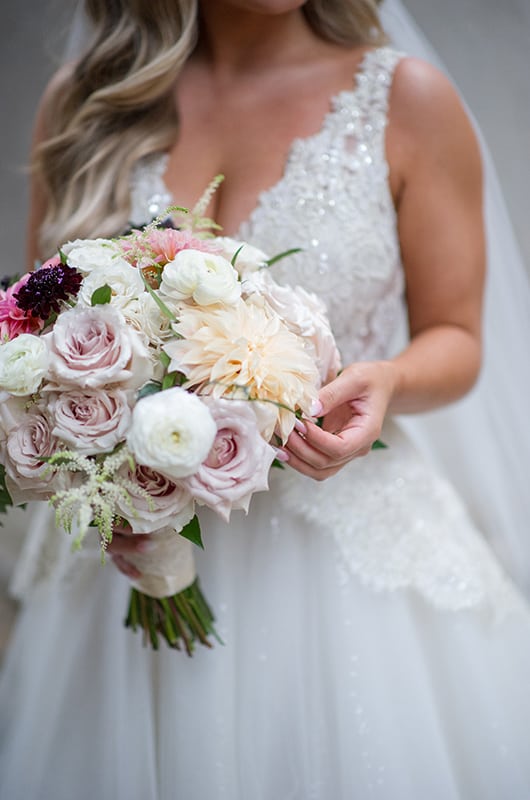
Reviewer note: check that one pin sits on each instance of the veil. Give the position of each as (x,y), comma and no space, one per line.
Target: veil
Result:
(482,443)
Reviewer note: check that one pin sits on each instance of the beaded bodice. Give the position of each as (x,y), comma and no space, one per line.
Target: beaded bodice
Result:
(334,202)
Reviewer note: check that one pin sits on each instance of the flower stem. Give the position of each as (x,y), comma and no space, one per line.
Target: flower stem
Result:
(181,620)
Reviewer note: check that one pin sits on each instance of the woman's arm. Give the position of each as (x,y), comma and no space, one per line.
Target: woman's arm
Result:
(436,178)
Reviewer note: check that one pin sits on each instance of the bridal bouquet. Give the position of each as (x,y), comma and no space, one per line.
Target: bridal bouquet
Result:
(147,375)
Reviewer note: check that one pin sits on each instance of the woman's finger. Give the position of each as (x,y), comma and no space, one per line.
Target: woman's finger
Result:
(126,567)
(128,544)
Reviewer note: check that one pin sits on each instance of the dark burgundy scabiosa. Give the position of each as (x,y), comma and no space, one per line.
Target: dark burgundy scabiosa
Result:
(47,288)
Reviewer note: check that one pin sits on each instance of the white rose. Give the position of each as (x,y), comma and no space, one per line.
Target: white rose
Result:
(88,254)
(125,282)
(249,258)
(205,277)
(172,432)
(144,315)
(23,364)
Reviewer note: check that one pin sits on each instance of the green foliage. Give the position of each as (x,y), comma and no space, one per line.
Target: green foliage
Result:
(153,387)
(101,296)
(5,498)
(285,253)
(192,531)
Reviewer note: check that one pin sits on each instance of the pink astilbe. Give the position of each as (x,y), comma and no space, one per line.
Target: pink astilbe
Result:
(13,319)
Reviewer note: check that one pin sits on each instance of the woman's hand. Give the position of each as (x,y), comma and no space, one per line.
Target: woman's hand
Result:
(126,543)
(354,407)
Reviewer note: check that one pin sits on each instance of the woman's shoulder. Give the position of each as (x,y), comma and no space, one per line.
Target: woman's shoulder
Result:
(423,99)
(427,118)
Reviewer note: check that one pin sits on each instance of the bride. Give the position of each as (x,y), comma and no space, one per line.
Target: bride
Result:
(373,645)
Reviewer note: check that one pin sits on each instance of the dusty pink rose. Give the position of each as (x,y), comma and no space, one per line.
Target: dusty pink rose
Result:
(169,503)
(28,477)
(14,320)
(90,421)
(238,463)
(93,347)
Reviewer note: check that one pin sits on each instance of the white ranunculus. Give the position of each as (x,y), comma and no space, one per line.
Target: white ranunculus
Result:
(125,283)
(88,254)
(172,432)
(205,277)
(23,364)
(249,258)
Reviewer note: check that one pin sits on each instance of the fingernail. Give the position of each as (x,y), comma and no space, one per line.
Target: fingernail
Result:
(300,427)
(316,408)
(281,455)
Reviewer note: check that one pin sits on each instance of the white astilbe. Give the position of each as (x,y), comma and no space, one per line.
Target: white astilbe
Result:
(96,499)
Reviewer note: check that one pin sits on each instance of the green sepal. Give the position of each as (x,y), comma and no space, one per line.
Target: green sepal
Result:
(101,296)
(277,463)
(192,531)
(379,445)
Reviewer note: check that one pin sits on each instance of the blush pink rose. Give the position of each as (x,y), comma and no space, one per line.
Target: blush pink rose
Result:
(94,347)
(238,463)
(14,320)
(167,503)
(27,443)
(90,421)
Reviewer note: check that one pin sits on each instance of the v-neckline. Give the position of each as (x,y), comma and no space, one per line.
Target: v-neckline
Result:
(298,144)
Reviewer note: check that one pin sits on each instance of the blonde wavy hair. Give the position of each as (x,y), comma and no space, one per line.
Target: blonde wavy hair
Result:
(117,104)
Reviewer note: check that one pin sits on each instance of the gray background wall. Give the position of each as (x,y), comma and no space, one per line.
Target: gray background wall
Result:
(485,45)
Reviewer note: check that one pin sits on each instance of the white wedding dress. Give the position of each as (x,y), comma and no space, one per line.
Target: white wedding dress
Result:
(373,647)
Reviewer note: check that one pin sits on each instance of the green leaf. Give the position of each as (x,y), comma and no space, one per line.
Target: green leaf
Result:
(234,257)
(149,388)
(101,296)
(192,531)
(165,360)
(5,498)
(62,256)
(285,253)
(379,445)
(161,305)
(169,380)
(277,463)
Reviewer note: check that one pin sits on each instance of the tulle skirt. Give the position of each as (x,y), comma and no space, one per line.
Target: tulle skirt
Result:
(324,688)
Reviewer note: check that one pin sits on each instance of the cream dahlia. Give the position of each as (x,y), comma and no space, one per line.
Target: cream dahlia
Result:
(245,350)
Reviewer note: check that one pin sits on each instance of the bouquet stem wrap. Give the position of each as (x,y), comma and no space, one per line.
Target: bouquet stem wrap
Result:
(167,600)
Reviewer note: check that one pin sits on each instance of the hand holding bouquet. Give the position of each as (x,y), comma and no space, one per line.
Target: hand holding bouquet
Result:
(144,376)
